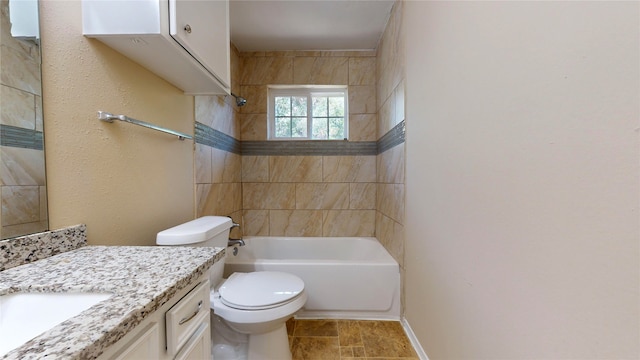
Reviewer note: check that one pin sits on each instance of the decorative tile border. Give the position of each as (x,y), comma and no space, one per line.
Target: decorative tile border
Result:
(309,148)
(26,249)
(20,137)
(219,140)
(216,139)
(395,136)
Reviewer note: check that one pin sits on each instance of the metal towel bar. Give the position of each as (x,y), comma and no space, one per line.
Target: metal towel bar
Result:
(105,116)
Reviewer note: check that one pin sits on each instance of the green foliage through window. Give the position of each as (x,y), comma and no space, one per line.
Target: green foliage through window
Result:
(309,114)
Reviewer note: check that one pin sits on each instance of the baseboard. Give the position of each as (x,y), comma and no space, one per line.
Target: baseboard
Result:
(422,355)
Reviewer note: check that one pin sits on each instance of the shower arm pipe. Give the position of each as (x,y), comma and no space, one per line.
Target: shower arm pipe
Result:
(108,117)
(240,101)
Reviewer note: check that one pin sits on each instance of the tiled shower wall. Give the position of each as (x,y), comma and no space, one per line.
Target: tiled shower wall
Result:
(22,174)
(273,190)
(218,159)
(318,193)
(391,119)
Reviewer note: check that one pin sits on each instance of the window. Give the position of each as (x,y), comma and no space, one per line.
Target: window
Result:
(308,113)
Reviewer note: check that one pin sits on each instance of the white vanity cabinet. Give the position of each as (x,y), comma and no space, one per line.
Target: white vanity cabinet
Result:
(179,329)
(186,42)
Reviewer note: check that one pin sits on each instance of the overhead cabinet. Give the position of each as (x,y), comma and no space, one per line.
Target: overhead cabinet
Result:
(186,42)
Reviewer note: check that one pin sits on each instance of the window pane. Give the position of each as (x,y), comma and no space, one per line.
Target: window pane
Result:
(319,106)
(336,106)
(336,128)
(283,106)
(299,105)
(299,127)
(319,128)
(283,127)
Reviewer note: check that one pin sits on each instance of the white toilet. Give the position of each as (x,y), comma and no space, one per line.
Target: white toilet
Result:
(256,304)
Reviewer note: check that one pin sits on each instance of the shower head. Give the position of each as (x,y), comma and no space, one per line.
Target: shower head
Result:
(240,101)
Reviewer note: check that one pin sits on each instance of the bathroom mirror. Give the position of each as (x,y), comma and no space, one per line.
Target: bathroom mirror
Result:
(23,190)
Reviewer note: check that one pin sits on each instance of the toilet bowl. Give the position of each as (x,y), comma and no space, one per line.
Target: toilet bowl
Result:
(256,305)
(259,304)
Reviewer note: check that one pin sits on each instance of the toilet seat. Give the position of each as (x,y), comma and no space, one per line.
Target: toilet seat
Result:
(260,290)
(263,309)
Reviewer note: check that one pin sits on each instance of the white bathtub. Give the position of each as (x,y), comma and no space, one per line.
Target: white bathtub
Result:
(345,277)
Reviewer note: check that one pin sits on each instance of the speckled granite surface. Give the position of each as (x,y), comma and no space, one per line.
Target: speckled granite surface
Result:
(141,278)
(29,248)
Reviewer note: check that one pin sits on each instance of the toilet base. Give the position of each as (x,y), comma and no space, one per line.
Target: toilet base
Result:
(273,345)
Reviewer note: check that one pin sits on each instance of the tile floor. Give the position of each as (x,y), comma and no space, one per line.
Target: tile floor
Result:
(348,339)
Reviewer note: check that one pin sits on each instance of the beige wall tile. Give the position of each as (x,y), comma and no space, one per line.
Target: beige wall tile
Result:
(349,168)
(295,223)
(20,204)
(256,96)
(44,209)
(255,168)
(348,223)
(363,127)
(362,99)
(399,103)
(225,166)
(391,236)
(253,127)
(267,70)
(362,71)
(20,166)
(215,112)
(218,199)
(362,196)
(203,164)
(321,70)
(236,70)
(322,196)
(390,201)
(295,168)
(256,223)
(19,71)
(39,124)
(21,229)
(17,108)
(202,192)
(264,196)
(391,165)
(386,116)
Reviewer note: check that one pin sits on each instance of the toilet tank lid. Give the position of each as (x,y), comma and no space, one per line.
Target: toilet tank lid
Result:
(194,231)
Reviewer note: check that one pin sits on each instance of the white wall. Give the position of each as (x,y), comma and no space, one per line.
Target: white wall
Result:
(522,182)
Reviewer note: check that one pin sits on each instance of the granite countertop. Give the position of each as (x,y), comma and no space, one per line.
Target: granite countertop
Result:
(142,278)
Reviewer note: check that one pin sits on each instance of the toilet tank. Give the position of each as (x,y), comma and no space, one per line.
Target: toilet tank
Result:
(212,231)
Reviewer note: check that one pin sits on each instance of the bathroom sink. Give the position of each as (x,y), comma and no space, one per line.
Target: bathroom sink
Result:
(24,316)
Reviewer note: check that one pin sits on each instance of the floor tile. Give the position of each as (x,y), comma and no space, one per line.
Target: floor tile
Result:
(316,328)
(385,339)
(315,348)
(349,333)
(349,340)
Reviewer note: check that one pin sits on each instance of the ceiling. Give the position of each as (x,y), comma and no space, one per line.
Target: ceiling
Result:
(268,25)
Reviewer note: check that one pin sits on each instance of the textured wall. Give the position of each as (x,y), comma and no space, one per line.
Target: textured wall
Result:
(124,182)
(523,158)
(309,195)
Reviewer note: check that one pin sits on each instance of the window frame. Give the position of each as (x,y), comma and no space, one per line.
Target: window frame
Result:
(308,91)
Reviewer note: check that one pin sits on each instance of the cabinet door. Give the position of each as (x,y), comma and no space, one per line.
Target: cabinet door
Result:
(202,28)
(199,345)
(145,346)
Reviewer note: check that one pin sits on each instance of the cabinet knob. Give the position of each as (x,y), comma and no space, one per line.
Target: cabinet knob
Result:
(187,28)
